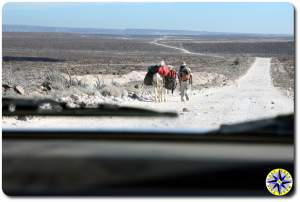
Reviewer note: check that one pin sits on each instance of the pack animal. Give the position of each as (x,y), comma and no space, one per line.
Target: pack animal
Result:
(159,89)
(170,79)
(157,76)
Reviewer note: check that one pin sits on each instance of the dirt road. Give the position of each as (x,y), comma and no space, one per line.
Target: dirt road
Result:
(183,50)
(251,97)
(156,42)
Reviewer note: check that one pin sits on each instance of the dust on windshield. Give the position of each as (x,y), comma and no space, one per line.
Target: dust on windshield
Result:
(207,78)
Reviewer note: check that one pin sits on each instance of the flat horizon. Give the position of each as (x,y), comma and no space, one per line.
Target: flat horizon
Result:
(158,29)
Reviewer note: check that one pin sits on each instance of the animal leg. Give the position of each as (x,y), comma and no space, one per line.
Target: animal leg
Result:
(159,94)
(155,94)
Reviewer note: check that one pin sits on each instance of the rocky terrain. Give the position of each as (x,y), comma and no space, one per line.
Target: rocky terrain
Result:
(88,70)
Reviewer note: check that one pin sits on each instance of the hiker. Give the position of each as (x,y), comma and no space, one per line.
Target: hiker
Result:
(185,78)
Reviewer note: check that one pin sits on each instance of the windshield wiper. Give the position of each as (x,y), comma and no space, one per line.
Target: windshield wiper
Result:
(49,107)
(280,126)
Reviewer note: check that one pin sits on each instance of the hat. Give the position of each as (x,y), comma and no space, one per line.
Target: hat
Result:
(183,63)
(162,63)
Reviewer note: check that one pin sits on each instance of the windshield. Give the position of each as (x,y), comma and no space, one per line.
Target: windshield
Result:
(205,73)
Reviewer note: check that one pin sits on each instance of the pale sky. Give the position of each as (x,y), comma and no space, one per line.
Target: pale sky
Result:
(266,18)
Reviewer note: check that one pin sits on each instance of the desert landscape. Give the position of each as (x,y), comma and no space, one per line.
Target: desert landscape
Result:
(235,77)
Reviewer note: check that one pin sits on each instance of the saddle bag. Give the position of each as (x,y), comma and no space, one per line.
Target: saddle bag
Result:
(148,80)
(153,69)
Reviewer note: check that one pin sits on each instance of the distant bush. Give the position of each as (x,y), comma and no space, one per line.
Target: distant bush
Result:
(236,61)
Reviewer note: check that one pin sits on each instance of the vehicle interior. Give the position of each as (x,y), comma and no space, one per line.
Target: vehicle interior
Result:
(233,160)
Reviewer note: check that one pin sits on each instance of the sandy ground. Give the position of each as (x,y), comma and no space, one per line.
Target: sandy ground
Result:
(251,97)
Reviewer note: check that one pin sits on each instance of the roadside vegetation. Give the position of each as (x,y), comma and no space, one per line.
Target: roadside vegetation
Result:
(283,74)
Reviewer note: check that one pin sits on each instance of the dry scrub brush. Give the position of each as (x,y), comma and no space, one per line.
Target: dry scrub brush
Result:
(58,81)
(99,83)
(8,76)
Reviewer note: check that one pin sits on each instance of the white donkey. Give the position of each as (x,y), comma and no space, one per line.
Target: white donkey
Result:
(159,89)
